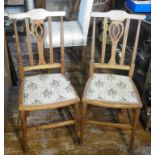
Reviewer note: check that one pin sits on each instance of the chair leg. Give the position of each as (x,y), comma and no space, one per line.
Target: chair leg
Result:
(83,55)
(76,117)
(19,121)
(24,130)
(148,123)
(133,132)
(83,121)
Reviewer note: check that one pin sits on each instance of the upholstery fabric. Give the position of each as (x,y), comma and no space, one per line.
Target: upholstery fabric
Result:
(73,35)
(47,89)
(111,88)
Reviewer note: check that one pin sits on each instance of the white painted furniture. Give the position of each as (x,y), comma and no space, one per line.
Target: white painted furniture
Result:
(36,14)
(75,32)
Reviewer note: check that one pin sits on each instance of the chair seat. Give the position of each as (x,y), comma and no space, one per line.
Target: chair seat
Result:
(47,89)
(111,88)
(73,35)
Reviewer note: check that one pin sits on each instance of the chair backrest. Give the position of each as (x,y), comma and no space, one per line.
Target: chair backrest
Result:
(116,24)
(84,15)
(34,24)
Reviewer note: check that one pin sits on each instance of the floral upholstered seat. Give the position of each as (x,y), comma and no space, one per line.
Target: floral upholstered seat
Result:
(47,89)
(111,88)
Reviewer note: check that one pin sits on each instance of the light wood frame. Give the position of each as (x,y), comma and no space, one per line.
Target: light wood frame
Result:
(116,18)
(36,18)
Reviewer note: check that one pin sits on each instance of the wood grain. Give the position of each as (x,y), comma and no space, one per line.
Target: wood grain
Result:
(104,36)
(125,41)
(91,70)
(50,39)
(115,66)
(29,41)
(37,14)
(107,124)
(54,125)
(116,30)
(118,15)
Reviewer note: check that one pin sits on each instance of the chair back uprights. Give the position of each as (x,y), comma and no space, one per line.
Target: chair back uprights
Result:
(115,27)
(34,26)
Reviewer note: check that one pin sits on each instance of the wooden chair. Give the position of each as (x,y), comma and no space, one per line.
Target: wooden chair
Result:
(112,90)
(43,91)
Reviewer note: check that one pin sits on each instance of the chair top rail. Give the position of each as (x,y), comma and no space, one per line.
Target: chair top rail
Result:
(117,15)
(37,14)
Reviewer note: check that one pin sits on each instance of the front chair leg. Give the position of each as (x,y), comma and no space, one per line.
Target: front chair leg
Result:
(134,124)
(76,117)
(24,130)
(83,121)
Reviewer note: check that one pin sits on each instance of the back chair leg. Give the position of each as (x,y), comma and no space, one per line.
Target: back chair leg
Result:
(19,121)
(24,130)
(148,122)
(83,55)
(83,121)
(133,132)
(76,115)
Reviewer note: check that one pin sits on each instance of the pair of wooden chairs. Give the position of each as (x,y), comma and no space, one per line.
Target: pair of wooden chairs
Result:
(53,91)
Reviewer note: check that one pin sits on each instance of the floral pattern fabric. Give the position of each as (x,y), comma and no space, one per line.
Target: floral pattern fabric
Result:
(111,88)
(47,89)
